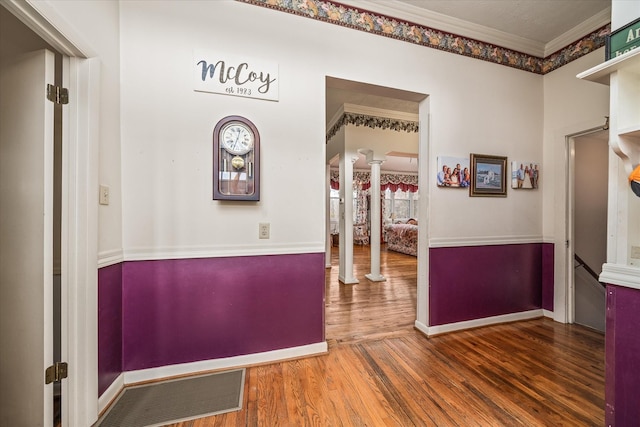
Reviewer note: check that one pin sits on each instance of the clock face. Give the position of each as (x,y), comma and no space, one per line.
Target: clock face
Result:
(236,138)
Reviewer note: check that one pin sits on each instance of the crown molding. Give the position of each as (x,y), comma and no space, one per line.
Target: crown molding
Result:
(450,24)
(351,15)
(577,32)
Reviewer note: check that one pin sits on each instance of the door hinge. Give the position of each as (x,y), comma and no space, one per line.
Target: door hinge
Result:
(57,94)
(56,373)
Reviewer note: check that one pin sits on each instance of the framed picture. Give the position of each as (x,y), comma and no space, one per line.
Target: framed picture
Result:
(489,176)
(524,175)
(453,172)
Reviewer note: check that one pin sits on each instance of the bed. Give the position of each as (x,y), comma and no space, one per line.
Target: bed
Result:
(402,238)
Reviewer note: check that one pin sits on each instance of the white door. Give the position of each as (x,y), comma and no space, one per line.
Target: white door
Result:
(26,240)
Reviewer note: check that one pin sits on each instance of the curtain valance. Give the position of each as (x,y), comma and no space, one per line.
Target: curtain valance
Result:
(393,181)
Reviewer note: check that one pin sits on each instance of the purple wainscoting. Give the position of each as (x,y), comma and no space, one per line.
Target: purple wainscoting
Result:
(177,311)
(622,357)
(474,282)
(109,325)
(548,257)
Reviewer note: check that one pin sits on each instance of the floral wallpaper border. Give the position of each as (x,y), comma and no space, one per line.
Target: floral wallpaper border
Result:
(339,14)
(371,122)
(362,180)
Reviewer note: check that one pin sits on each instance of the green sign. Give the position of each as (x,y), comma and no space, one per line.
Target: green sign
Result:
(623,40)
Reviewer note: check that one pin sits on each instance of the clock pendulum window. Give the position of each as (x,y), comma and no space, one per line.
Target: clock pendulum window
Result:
(236,160)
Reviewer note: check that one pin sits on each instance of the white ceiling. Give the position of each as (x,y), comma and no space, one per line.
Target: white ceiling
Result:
(536,20)
(537,27)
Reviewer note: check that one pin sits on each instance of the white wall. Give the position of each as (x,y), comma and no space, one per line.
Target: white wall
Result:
(475,106)
(624,12)
(94,26)
(570,106)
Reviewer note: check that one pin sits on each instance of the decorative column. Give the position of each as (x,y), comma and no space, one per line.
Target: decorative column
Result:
(376,219)
(345,271)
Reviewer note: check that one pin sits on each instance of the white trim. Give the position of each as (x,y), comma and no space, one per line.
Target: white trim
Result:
(111,393)
(620,275)
(80,242)
(112,257)
(477,323)
(421,327)
(217,251)
(410,13)
(116,256)
(163,372)
(579,31)
(53,29)
(547,313)
(601,72)
(446,242)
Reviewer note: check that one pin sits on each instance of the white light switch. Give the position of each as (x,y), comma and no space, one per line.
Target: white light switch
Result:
(104,195)
(263,230)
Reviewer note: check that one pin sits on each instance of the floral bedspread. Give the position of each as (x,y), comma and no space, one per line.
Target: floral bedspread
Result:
(402,238)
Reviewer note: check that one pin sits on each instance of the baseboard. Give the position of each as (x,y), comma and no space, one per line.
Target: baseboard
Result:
(111,393)
(477,323)
(547,313)
(154,374)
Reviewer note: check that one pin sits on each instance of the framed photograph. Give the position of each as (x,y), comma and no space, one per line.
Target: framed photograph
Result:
(453,172)
(524,175)
(489,176)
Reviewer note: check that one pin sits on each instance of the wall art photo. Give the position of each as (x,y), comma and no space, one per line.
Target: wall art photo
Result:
(453,172)
(524,175)
(489,176)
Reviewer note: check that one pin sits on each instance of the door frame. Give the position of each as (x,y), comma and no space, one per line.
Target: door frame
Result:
(79,228)
(570,218)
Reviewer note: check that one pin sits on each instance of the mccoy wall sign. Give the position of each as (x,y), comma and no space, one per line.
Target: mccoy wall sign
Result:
(623,40)
(232,75)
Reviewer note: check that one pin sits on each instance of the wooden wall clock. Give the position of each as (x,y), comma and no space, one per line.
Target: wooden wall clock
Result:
(236,160)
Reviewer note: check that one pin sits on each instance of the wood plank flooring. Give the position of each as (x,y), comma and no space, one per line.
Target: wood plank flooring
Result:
(381,372)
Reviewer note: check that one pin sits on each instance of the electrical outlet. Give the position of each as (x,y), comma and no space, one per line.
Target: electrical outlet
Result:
(263,230)
(104,195)
(635,252)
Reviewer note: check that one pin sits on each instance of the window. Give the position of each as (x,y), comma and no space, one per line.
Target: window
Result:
(334,210)
(400,204)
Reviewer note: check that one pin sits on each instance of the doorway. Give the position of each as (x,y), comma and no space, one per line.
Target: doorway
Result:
(74,259)
(588,181)
(21,49)
(340,92)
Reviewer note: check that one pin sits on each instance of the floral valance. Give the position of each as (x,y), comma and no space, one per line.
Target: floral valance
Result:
(392,181)
(372,122)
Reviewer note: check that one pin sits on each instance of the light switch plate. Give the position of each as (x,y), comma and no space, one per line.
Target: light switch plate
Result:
(104,195)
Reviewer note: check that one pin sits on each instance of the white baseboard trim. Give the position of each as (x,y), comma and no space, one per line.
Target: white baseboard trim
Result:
(477,323)
(111,393)
(547,313)
(421,327)
(191,368)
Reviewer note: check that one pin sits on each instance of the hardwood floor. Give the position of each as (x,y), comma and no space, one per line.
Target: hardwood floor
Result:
(381,372)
